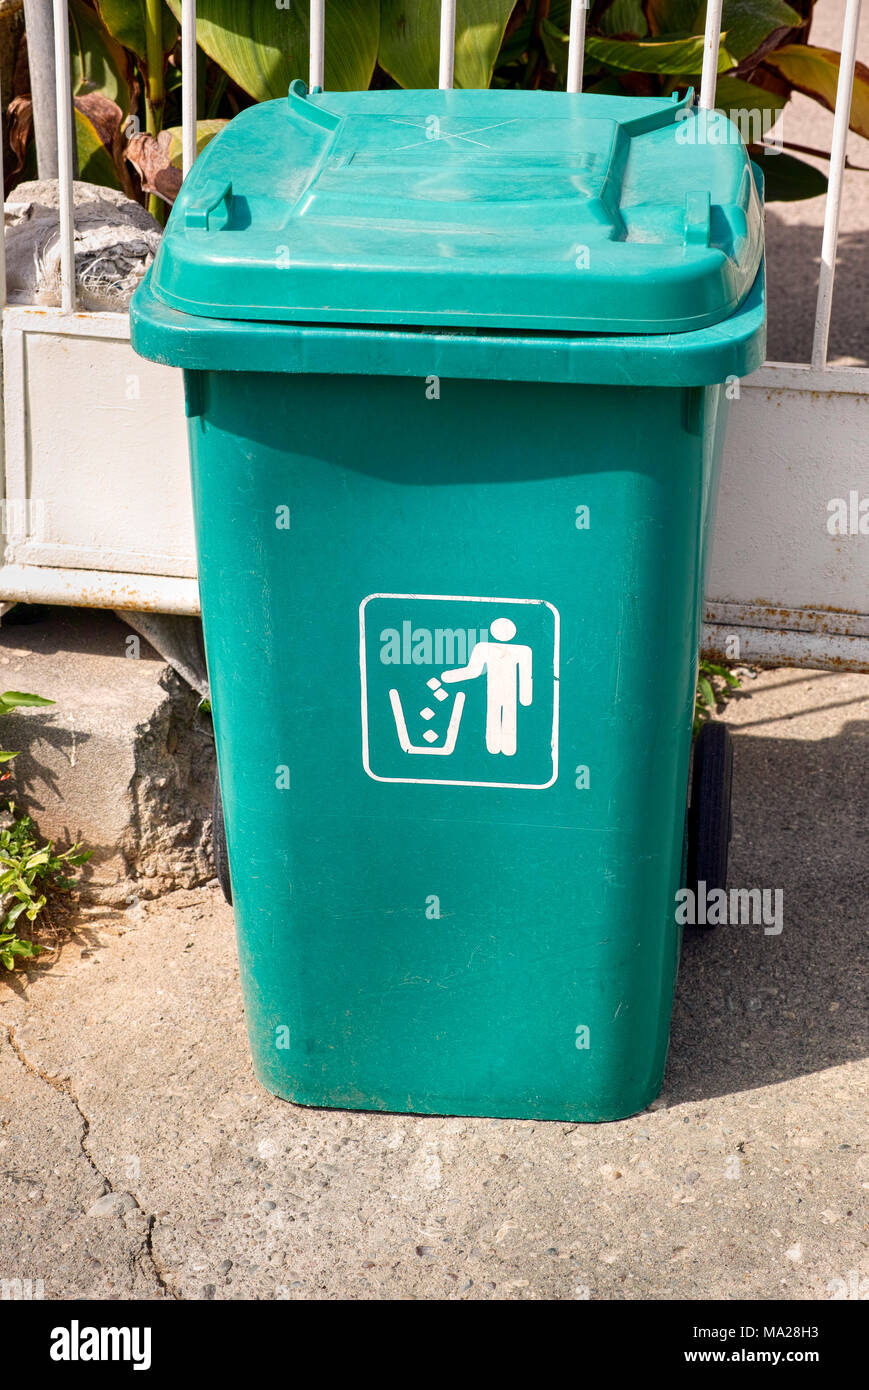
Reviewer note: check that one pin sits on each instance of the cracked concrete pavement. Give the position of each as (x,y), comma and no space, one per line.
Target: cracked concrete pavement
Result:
(81,1179)
(124,1070)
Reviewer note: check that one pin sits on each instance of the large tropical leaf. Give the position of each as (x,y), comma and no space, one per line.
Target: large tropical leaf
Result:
(746,22)
(749,22)
(95,164)
(125,21)
(99,63)
(555,47)
(670,56)
(205,133)
(410,40)
(672,16)
(263,48)
(99,143)
(732,94)
(786,180)
(815,71)
(624,17)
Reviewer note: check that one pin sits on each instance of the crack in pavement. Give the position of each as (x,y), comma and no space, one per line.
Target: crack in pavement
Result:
(64,1087)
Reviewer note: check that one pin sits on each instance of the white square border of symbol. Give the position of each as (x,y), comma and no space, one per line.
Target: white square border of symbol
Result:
(442,781)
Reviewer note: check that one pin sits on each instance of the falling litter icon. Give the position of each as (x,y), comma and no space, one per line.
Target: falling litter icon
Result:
(430,737)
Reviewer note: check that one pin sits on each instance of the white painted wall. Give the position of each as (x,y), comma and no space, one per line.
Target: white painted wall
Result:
(96,444)
(96,475)
(795,440)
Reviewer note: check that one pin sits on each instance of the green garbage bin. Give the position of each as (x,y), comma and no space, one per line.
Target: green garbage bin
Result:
(456,370)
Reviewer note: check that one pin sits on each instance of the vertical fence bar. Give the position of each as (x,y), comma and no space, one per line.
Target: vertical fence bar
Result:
(447,71)
(317,70)
(65,137)
(188,84)
(2,262)
(576,45)
(2,307)
(833,207)
(711,43)
(39,27)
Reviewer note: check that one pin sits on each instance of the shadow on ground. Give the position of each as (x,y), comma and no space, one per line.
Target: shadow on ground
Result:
(752,1010)
(793,257)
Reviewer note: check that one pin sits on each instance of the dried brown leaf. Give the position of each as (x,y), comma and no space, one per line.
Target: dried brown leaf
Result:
(19,115)
(150,156)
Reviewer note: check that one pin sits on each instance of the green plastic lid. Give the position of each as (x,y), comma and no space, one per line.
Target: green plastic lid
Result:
(481,209)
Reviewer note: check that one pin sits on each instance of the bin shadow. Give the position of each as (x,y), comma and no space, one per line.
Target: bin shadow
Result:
(511,431)
(753,1009)
(791,297)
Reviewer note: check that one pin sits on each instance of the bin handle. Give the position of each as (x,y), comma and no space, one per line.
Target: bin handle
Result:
(297,100)
(215,195)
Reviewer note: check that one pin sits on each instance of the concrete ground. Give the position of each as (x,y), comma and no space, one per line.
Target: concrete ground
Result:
(140,1158)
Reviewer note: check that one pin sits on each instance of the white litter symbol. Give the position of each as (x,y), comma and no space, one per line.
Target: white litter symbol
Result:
(430,736)
(467,680)
(508,671)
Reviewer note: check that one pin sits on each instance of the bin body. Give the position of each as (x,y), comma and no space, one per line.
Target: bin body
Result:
(414,944)
(451,588)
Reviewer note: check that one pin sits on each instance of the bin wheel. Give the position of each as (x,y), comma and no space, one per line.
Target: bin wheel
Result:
(218,842)
(710,819)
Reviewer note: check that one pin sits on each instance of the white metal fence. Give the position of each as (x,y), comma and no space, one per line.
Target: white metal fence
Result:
(141,557)
(578,12)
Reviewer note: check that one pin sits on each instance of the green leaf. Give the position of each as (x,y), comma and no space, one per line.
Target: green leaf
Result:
(746,22)
(125,21)
(787,180)
(749,22)
(410,40)
(713,668)
(10,699)
(624,17)
(732,94)
(815,71)
(205,132)
(555,47)
(14,913)
(26,949)
(5,757)
(95,165)
(99,62)
(753,110)
(672,16)
(8,959)
(707,694)
(676,56)
(263,48)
